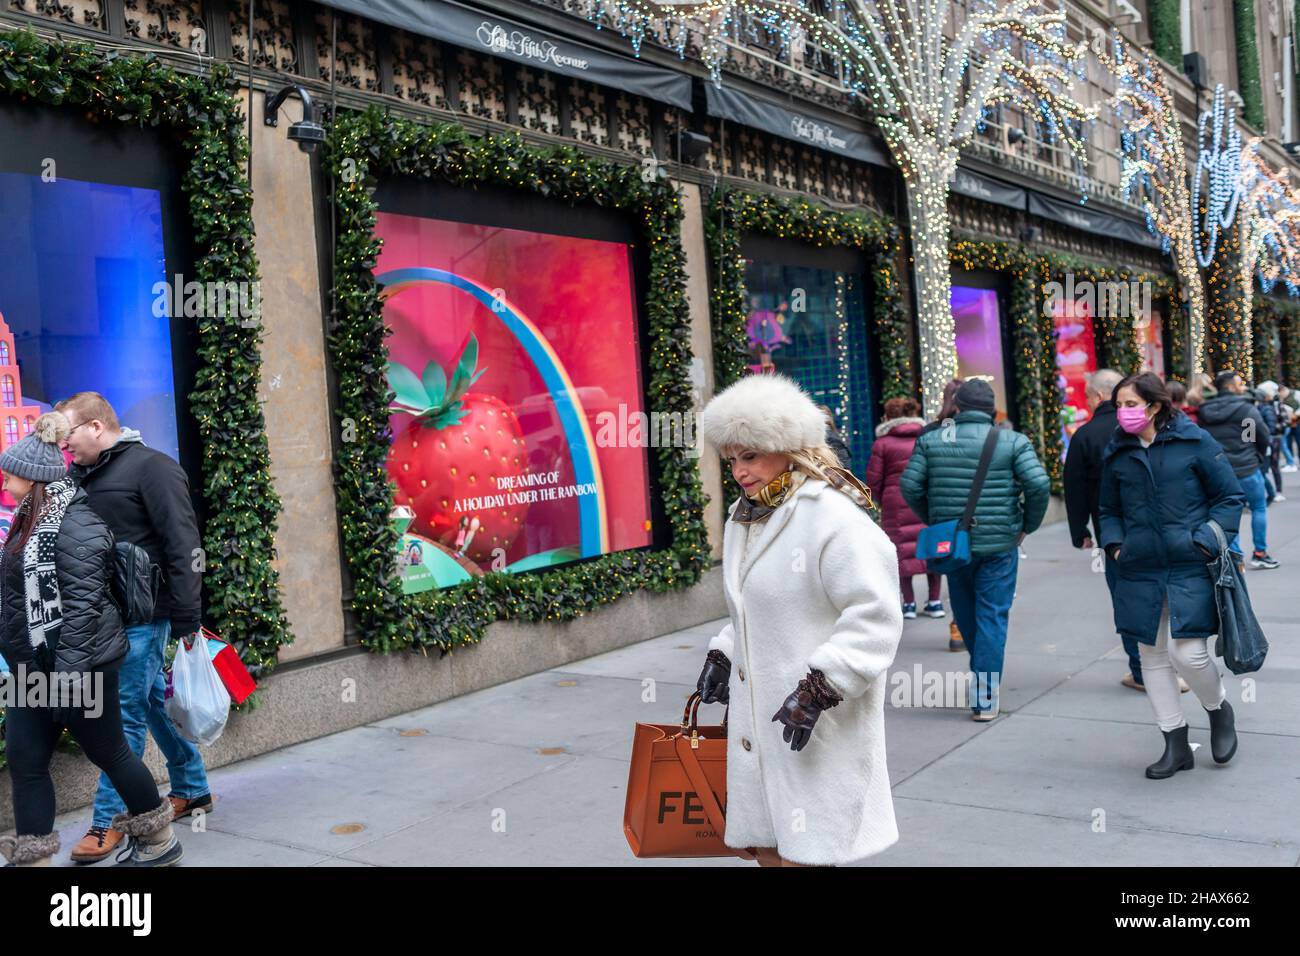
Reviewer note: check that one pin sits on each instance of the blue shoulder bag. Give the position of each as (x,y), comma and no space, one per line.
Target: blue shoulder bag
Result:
(945,547)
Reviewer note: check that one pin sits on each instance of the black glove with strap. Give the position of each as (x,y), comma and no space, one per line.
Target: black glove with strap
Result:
(715,679)
(801,709)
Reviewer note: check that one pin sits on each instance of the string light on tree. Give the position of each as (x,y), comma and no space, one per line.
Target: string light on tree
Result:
(928,91)
(1220,163)
(1154,168)
(1269,214)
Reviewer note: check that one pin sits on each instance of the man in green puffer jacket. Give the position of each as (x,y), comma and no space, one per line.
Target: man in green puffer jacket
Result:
(936,484)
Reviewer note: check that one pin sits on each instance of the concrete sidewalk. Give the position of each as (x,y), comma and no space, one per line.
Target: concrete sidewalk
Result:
(533,772)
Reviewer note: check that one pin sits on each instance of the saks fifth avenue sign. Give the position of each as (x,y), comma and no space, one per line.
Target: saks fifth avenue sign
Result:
(816,133)
(519,44)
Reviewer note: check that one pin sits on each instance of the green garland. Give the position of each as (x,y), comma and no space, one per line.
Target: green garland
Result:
(733,214)
(362,148)
(1270,314)
(1035,353)
(1180,334)
(1248,79)
(241,587)
(1167,30)
(1264,321)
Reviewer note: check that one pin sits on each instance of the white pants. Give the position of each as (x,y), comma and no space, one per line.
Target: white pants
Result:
(1165,661)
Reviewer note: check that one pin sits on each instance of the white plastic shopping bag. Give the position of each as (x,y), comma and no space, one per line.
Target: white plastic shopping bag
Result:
(199,703)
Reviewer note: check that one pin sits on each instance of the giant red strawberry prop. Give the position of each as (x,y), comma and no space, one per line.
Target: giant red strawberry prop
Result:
(458,447)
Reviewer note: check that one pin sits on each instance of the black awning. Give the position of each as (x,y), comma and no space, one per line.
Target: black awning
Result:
(526,45)
(1092,220)
(968,183)
(789,122)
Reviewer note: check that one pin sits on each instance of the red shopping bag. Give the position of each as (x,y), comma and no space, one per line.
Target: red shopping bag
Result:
(234,675)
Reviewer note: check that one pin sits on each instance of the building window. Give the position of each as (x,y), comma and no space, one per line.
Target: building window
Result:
(4,353)
(8,391)
(11,430)
(28,424)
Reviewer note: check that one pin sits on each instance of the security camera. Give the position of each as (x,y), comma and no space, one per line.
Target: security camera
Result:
(307,133)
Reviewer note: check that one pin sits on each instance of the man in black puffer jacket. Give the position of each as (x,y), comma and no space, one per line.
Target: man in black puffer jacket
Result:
(1234,421)
(144,497)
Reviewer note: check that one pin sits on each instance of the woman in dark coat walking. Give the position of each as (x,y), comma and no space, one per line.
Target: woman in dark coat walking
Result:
(64,650)
(1163,481)
(895,439)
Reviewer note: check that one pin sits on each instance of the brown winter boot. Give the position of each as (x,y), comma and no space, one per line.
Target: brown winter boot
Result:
(955,643)
(153,841)
(28,850)
(97,844)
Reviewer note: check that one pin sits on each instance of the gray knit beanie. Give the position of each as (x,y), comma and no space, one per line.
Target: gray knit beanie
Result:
(37,457)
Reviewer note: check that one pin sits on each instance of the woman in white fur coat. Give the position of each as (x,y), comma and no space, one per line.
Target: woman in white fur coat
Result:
(812,591)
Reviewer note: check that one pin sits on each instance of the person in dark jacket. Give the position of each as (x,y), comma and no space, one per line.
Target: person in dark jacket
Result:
(1164,480)
(1271,410)
(144,498)
(1082,478)
(835,440)
(70,643)
(1083,464)
(1235,423)
(936,485)
(890,453)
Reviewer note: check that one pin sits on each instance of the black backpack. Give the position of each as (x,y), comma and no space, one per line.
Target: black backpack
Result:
(136,580)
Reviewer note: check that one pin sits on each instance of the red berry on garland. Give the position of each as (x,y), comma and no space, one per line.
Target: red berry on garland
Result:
(458,447)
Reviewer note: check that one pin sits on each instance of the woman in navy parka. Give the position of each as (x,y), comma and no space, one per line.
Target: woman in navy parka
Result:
(1163,480)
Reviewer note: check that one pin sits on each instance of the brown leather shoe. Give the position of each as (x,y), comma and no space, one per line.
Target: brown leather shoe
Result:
(183,808)
(98,843)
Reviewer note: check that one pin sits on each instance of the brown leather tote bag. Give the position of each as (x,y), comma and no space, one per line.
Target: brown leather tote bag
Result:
(676,789)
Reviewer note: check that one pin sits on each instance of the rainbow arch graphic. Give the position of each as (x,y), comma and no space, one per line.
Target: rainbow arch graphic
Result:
(593,519)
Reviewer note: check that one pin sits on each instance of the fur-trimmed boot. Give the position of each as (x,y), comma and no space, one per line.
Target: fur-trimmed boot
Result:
(28,850)
(153,841)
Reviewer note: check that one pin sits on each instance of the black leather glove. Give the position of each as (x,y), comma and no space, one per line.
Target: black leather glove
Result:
(801,709)
(715,680)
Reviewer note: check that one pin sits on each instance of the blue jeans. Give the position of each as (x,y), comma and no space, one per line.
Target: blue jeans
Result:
(981,594)
(1257,501)
(1130,643)
(141,686)
(1288,438)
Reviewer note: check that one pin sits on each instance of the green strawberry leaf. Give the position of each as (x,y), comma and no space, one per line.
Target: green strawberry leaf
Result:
(460,379)
(435,384)
(445,418)
(408,388)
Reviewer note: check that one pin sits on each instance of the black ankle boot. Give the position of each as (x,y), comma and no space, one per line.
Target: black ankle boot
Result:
(1177,755)
(1223,733)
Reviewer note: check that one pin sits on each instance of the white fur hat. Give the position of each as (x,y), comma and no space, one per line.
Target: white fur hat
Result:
(768,413)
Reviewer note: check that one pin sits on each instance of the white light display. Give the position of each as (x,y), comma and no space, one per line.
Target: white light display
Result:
(928,91)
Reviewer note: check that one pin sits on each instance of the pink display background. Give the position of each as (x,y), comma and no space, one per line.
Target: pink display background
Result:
(579,293)
(1076,358)
(1151,339)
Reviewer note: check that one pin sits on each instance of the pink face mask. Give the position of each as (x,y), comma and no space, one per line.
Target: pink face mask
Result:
(1133,420)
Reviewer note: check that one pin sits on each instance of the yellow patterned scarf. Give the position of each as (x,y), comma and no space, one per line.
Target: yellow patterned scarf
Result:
(767,499)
